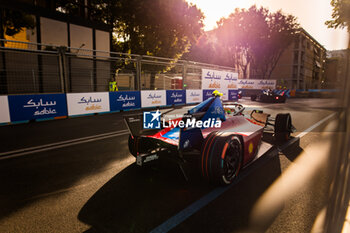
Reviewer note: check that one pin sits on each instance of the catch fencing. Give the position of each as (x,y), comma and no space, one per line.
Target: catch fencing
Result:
(33,68)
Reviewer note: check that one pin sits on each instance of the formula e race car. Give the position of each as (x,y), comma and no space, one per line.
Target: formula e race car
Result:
(268,96)
(220,136)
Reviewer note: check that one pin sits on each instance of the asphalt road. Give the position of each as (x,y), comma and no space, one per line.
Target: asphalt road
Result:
(94,186)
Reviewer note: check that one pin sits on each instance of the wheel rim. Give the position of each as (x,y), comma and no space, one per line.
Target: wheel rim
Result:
(232,160)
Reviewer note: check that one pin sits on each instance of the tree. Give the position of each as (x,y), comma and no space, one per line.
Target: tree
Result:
(280,34)
(208,51)
(158,28)
(340,14)
(256,39)
(148,27)
(12,22)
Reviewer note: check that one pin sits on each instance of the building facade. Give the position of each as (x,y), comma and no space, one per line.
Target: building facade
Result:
(302,64)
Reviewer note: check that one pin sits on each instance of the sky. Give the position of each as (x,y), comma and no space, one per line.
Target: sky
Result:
(311,16)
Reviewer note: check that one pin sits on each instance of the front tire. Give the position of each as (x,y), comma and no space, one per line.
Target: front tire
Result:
(283,127)
(221,157)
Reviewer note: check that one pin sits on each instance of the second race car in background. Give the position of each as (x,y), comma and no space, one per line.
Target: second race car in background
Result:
(269,96)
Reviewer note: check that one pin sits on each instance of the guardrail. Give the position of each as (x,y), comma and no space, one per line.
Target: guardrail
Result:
(24,108)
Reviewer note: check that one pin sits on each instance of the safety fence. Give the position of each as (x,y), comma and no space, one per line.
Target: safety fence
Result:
(32,68)
(23,108)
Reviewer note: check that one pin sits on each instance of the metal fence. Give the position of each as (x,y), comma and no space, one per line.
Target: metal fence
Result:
(38,68)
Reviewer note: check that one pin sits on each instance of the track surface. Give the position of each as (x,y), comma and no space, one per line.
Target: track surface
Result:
(95,186)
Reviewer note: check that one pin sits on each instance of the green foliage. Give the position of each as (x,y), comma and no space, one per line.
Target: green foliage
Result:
(12,22)
(340,14)
(158,27)
(148,27)
(162,28)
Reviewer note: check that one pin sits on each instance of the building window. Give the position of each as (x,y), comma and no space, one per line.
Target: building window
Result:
(295,71)
(296,55)
(296,43)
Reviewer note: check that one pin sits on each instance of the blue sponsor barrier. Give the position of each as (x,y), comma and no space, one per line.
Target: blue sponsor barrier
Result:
(124,100)
(279,92)
(30,107)
(24,108)
(233,95)
(207,93)
(322,90)
(175,97)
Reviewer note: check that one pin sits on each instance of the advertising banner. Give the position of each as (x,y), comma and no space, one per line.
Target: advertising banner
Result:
(229,80)
(153,98)
(224,94)
(121,100)
(85,103)
(5,112)
(211,79)
(215,79)
(207,93)
(28,107)
(175,97)
(194,96)
(266,84)
(233,95)
(256,84)
(247,84)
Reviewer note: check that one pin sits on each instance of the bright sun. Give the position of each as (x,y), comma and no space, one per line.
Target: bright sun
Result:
(311,20)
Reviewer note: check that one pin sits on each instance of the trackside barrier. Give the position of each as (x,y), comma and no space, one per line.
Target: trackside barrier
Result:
(87,103)
(153,98)
(24,108)
(37,107)
(124,100)
(4,110)
(194,96)
(175,97)
(285,91)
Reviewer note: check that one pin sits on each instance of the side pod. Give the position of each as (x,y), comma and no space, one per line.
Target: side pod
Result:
(190,138)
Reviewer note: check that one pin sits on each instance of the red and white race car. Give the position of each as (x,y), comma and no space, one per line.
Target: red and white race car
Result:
(222,149)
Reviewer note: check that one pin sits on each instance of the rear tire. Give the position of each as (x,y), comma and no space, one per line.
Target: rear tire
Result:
(283,127)
(221,157)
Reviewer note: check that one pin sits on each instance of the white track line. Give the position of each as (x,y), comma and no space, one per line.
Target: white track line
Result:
(308,130)
(56,145)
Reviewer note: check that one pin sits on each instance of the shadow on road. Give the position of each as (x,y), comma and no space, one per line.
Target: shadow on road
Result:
(140,199)
(27,179)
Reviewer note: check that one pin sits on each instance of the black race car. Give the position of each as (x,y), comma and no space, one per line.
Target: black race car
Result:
(268,96)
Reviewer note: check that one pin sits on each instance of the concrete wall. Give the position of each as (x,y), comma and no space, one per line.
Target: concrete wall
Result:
(81,37)
(102,42)
(53,32)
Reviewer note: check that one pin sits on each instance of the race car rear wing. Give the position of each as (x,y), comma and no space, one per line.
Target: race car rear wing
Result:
(134,123)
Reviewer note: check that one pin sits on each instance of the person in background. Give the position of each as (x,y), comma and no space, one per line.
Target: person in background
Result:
(113,85)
